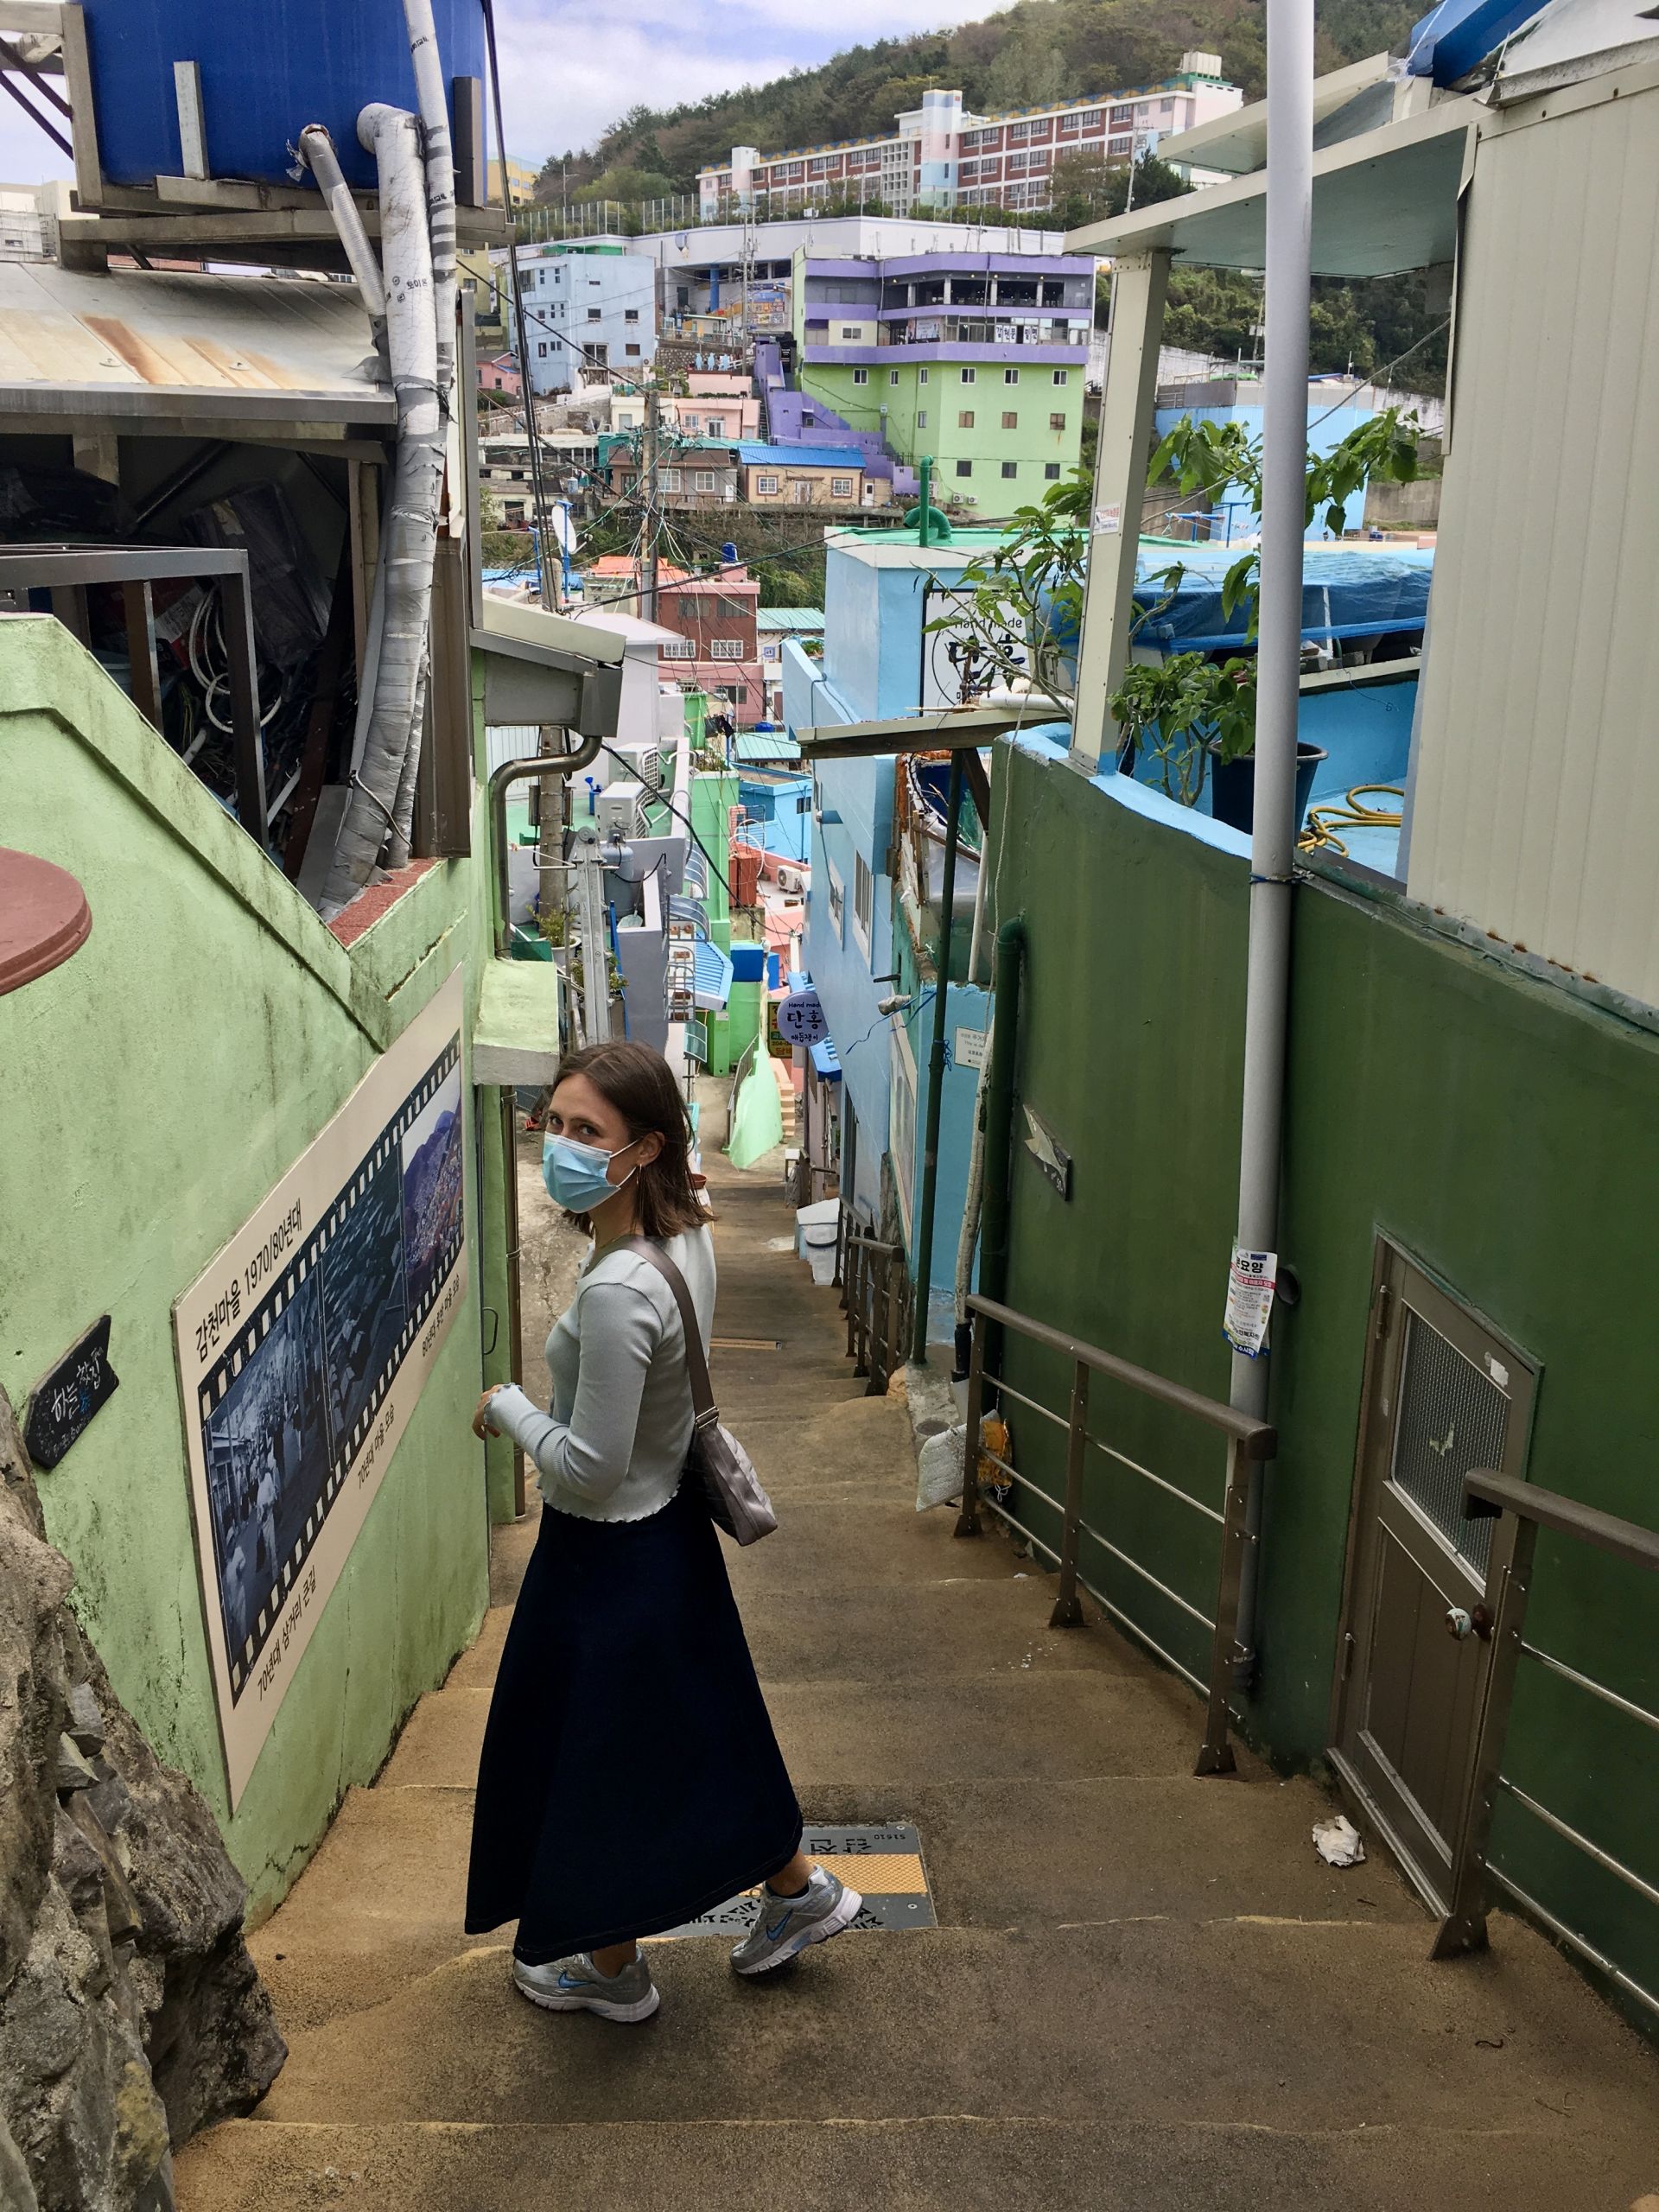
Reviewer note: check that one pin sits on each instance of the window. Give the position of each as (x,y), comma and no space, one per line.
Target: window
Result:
(863,901)
(630,314)
(1062,376)
(1010,468)
(1057,422)
(766,487)
(542,349)
(595,314)
(854,331)
(921,376)
(631,353)
(725,649)
(1010,420)
(1051,471)
(1123,113)
(1010,376)
(921,418)
(860,375)
(901,1121)
(682,649)
(729,610)
(1119,149)
(968,375)
(892,376)
(671,479)
(703,480)
(717,426)
(837,900)
(1018,131)
(964,468)
(840,487)
(965,420)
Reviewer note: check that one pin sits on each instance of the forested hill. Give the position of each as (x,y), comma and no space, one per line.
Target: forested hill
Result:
(1037,51)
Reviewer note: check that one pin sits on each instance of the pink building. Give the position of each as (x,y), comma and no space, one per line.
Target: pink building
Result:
(717,650)
(500,375)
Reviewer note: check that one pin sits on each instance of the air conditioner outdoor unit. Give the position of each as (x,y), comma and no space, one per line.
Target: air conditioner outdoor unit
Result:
(791,879)
(616,810)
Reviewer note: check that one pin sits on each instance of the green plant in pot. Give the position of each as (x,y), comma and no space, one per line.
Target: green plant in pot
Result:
(1191,714)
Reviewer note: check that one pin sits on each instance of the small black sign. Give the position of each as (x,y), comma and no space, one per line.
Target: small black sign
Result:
(81,1384)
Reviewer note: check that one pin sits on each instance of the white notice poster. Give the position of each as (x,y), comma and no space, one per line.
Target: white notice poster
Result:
(302,1351)
(1250,1281)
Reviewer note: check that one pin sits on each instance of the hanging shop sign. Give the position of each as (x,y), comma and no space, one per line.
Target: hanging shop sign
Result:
(302,1351)
(802,1019)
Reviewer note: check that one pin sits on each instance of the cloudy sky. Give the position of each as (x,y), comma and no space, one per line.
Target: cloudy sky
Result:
(567,72)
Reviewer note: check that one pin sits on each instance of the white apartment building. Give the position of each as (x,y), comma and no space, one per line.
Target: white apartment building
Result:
(943,156)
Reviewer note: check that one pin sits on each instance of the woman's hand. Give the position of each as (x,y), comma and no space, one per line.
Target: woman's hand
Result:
(481,1425)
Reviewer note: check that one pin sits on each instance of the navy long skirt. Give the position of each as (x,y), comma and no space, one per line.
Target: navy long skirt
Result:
(630,1779)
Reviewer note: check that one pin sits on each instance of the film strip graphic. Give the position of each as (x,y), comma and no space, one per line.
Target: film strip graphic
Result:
(343,1448)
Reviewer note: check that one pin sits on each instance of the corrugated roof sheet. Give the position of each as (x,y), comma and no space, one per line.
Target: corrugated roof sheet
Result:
(139,342)
(789,618)
(753,747)
(848,457)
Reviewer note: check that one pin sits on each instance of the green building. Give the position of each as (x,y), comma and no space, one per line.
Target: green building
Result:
(975,360)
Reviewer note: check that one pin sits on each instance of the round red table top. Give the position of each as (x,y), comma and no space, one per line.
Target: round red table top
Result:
(44,918)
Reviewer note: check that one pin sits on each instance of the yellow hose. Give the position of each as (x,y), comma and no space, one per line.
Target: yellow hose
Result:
(1323,822)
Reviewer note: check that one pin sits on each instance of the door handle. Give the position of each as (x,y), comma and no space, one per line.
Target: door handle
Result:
(1460,1624)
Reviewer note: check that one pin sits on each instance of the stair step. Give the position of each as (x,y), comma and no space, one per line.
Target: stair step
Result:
(946,2163)
(383,1902)
(893,1734)
(1157,2021)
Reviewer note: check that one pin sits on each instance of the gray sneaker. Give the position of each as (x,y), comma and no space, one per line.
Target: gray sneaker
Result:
(784,1927)
(577,1985)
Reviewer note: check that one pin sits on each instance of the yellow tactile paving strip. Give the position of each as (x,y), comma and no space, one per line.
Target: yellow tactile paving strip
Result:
(884,1865)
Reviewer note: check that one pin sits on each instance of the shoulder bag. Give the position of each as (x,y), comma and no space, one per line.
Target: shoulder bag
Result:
(716,1460)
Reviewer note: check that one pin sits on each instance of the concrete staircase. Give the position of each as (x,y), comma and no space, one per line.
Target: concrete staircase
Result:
(1146,1992)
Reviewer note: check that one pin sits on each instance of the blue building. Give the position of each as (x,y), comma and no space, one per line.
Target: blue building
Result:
(872,904)
(587,308)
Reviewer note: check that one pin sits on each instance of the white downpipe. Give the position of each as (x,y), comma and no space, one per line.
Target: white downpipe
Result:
(432,99)
(317,150)
(1273,835)
(411,535)
(969,1237)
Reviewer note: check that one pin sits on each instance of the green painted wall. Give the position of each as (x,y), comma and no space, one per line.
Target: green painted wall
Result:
(158,1084)
(936,390)
(1503,1130)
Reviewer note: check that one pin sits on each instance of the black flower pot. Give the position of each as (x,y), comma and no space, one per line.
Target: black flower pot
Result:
(1232,784)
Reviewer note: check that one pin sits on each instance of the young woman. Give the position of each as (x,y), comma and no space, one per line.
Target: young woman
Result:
(630,1779)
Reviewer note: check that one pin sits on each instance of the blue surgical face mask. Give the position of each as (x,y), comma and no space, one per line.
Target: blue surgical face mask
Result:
(575,1173)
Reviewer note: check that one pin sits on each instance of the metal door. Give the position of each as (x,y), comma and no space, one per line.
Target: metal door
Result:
(1444,1393)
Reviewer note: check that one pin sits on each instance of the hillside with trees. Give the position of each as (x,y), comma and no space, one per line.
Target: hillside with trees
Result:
(1037,51)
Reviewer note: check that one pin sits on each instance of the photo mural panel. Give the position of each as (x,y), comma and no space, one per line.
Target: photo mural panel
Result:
(303,1349)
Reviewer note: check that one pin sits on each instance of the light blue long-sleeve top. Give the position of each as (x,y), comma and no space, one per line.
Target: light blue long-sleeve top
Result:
(613,1444)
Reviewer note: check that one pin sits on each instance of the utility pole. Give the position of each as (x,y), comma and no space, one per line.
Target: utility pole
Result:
(648,482)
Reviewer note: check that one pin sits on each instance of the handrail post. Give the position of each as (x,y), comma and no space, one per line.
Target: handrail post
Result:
(1067,1612)
(1464,1928)
(862,1341)
(968,1520)
(1215,1752)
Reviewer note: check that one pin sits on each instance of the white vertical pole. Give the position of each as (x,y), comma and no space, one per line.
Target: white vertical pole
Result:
(1272,838)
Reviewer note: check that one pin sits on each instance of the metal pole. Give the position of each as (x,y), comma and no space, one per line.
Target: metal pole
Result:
(968,1520)
(936,1064)
(922,534)
(1067,1612)
(648,481)
(1289,225)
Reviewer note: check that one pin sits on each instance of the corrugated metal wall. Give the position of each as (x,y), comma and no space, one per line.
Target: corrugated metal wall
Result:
(1537,806)
(512,741)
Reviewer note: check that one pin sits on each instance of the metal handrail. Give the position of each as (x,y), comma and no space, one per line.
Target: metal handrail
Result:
(1248,1440)
(1473,1875)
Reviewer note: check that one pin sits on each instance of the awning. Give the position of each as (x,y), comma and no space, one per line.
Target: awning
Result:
(826,1060)
(1383,202)
(712,977)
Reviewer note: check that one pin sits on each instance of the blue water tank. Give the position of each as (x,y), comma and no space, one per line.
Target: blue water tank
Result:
(267,70)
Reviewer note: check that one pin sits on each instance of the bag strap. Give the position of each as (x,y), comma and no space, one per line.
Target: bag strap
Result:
(696,1364)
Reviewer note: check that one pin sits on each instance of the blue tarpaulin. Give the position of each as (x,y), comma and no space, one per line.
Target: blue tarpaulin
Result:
(713,984)
(1348,591)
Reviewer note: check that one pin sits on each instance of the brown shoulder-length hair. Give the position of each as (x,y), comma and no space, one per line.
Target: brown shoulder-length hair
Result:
(638,1082)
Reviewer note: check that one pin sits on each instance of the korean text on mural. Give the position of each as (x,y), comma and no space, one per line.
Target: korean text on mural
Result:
(72,1393)
(289,1629)
(440,1314)
(382,1429)
(224,1315)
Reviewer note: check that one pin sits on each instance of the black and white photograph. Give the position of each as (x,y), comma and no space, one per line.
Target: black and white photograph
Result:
(363,1301)
(432,1187)
(269,1450)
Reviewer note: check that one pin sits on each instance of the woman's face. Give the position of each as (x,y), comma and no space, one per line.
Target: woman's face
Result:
(581,1111)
